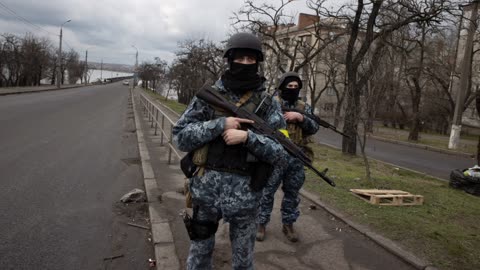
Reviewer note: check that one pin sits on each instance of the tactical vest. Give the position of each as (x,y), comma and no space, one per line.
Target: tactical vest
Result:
(219,156)
(295,131)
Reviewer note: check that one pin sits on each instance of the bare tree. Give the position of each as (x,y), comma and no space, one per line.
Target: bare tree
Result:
(11,57)
(289,47)
(74,67)
(371,99)
(197,62)
(413,48)
(331,68)
(370,26)
(149,73)
(25,61)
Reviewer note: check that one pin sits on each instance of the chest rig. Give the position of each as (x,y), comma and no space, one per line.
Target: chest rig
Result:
(294,130)
(219,156)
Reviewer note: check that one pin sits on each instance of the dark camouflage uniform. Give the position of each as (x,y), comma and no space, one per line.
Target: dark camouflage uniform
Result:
(222,194)
(293,178)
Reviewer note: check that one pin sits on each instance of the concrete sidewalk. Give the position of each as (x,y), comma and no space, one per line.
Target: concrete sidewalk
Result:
(326,242)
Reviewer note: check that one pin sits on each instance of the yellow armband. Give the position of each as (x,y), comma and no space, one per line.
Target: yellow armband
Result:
(284,132)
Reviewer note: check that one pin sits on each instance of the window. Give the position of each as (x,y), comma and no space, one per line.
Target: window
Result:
(331,92)
(328,107)
(305,41)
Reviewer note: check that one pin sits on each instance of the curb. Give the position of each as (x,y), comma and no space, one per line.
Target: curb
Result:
(423,146)
(43,90)
(386,243)
(165,254)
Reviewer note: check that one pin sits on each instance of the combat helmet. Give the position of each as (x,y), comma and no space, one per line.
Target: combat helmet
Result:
(288,77)
(244,41)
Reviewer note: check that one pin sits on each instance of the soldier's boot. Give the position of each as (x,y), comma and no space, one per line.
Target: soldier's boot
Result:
(290,232)
(260,232)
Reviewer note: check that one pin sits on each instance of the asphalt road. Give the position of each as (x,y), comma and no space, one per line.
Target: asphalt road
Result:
(66,158)
(432,163)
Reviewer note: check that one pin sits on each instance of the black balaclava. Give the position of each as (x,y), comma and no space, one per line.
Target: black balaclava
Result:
(240,78)
(290,94)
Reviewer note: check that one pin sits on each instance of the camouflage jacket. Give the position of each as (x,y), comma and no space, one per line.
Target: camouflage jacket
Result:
(196,128)
(309,126)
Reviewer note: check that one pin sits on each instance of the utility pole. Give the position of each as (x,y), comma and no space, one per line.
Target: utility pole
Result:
(59,58)
(136,68)
(86,66)
(466,68)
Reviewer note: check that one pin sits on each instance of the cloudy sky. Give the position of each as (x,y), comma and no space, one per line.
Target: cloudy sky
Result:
(109,28)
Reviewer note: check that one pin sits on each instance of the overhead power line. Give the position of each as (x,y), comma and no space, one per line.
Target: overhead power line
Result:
(22,19)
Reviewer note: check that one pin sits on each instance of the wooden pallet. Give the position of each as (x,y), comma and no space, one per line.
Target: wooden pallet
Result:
(388,197)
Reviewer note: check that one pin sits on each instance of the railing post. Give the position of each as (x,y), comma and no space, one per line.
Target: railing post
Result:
(163,130)
(147,106)
(144,107)
(170,145)
(156,122)
(151,114)
(148,110)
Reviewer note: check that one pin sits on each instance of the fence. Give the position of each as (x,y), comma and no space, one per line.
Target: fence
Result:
(160,122)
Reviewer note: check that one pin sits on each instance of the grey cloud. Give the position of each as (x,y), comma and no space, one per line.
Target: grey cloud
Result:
(112,26)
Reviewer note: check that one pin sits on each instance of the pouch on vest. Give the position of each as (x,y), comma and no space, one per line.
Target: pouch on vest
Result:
(188,194)
(187,165)
(200,155)
(261,172)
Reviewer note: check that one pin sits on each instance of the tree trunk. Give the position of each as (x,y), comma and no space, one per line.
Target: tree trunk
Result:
(414,130)
(415,127)
(349,145)
(478,151)
(338,109)
(477,105)
(369,125)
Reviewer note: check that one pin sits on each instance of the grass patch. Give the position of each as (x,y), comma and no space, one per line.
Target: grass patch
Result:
(445,230)
(172,104)
(467,143)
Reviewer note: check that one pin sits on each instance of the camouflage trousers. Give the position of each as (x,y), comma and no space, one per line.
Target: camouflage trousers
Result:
(292,181)
(219,195)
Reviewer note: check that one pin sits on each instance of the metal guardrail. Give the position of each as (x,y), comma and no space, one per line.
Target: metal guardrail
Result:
(160,122)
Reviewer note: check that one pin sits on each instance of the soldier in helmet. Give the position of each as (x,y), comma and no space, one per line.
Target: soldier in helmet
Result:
(299,127)
(228,156)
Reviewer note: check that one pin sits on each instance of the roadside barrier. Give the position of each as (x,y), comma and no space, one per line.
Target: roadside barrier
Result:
(160,122)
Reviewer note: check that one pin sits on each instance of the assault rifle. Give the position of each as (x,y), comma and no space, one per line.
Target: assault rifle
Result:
(212,97)
(316,119)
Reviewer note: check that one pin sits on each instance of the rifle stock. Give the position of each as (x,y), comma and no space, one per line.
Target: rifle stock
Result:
(212,97)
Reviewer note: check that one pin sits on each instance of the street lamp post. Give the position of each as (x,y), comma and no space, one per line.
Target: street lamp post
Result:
(136,67)
(59,58)
(86,67)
